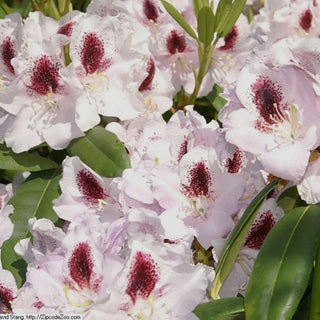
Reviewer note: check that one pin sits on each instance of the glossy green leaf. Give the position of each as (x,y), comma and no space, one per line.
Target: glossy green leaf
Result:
(102,151)
(176,15)
(283,266)
(220,309)
(222,12)
(303,311)
(32,199)
(229,21)
(237,237)
(198,4)
(315,297)
(290,199)
(24,161)
(206,25)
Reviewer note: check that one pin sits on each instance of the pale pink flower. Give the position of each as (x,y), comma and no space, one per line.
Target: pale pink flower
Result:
(273,121)
(163,281)
(84,190)
(308,187)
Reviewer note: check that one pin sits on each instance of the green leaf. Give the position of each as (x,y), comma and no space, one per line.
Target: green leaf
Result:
(220,309)
(236,239)
(222,12)
(303,311)
(102,151)
(290,199)
(315,297)
(198,4)
(32,199)
(24,161)
(176,15)
(215,99)
(283,266)
(206,22)
(229,21)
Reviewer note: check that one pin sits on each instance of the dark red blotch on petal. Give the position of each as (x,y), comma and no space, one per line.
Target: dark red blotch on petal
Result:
(81,265)
(267,96)
(200,180)
(183,149)
(66,29)
(230,39)
(150,10)
(45,76)
(147,82)
(176,42)
(7,53)
(259,230)
(92,54)
(143,276)
(90,187)
(6,296)
(305,20)
(235,164)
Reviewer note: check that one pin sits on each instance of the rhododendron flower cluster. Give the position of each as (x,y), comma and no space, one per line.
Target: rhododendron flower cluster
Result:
(147,243)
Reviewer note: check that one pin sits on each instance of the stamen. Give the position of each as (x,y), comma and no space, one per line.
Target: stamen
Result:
(75,304)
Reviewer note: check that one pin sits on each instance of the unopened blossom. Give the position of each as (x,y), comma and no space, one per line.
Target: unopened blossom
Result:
(271,120)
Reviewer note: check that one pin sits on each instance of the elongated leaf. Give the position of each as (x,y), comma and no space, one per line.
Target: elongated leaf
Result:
(283,267)
(32,199)
(315,297)
(236,239)
(222,13)
(198,4)
(231,18)
(102,151)
(206,22)
(219,309)
(24,161)
(176,15)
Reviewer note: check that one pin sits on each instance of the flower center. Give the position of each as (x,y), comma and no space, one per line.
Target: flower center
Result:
(176,42)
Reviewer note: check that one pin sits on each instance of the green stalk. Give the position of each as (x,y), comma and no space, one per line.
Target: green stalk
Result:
(315,298)
(5,7)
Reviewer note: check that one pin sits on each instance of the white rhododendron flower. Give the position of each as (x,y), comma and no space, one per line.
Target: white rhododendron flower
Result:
(271,120)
